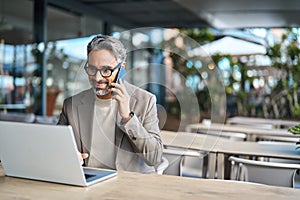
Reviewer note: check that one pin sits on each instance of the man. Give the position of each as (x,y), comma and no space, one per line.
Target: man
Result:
(115,123)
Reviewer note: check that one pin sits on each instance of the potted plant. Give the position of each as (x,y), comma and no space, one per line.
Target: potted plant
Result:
(295,130)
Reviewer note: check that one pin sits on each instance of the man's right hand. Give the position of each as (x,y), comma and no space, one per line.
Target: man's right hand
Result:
(82,156)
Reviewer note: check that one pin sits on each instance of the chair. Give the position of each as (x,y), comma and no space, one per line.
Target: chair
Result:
(270,173)
(17,117)
(175,161)
(162,115)
(278,141)
(160,168)
(195,166)
(184,162)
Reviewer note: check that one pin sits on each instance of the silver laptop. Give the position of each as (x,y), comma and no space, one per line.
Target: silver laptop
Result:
(45,152)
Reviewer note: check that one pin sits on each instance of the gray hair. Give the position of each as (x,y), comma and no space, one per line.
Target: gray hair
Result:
(108,43)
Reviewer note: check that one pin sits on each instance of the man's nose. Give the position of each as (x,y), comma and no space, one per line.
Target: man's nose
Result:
(98,76)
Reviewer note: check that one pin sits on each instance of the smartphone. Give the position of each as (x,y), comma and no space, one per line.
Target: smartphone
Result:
(121,75)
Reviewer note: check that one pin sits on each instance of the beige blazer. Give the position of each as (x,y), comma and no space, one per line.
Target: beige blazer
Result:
(138,142)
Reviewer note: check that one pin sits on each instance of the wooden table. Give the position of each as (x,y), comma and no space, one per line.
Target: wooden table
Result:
(128,185)
(251,132)
(217,148)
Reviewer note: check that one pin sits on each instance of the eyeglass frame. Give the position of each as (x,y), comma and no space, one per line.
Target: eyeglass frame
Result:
(103,68)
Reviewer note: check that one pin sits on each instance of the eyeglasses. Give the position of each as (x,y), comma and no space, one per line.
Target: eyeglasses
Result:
(104,71)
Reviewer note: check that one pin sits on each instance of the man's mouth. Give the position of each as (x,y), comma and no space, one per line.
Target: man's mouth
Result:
(101,86)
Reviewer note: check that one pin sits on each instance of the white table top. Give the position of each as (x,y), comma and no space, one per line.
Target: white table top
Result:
(221,145)
(190,140)
(277,123)
(251,131)
(287,150)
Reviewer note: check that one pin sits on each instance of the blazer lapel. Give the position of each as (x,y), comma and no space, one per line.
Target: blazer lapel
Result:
(85,115)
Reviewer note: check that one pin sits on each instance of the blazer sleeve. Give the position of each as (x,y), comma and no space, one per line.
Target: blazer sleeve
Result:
(145,135)
(63,117)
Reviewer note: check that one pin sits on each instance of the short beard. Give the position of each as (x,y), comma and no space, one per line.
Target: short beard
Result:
(101,92)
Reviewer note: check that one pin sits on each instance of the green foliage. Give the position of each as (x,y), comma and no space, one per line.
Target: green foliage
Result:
(285,56)
(274,52)
(295,130)
(293,51)
(200,35)
(296,111)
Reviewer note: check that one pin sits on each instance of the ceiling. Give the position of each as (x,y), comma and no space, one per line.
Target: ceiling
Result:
(231,14)
(16,16)
(220,14)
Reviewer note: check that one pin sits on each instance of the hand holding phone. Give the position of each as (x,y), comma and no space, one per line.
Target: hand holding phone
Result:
(121,95)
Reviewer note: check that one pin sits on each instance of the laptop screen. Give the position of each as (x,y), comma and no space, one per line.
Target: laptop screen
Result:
(43,152)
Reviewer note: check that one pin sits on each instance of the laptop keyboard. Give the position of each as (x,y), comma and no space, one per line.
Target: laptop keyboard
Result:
(88,176)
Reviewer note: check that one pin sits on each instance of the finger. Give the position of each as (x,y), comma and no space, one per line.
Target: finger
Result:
(117,92)
(113,84)
(84,155)
(117,97)
(80,157)
(116,85)
(121,88)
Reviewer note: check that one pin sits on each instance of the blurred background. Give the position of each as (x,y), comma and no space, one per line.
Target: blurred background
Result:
(254,46)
